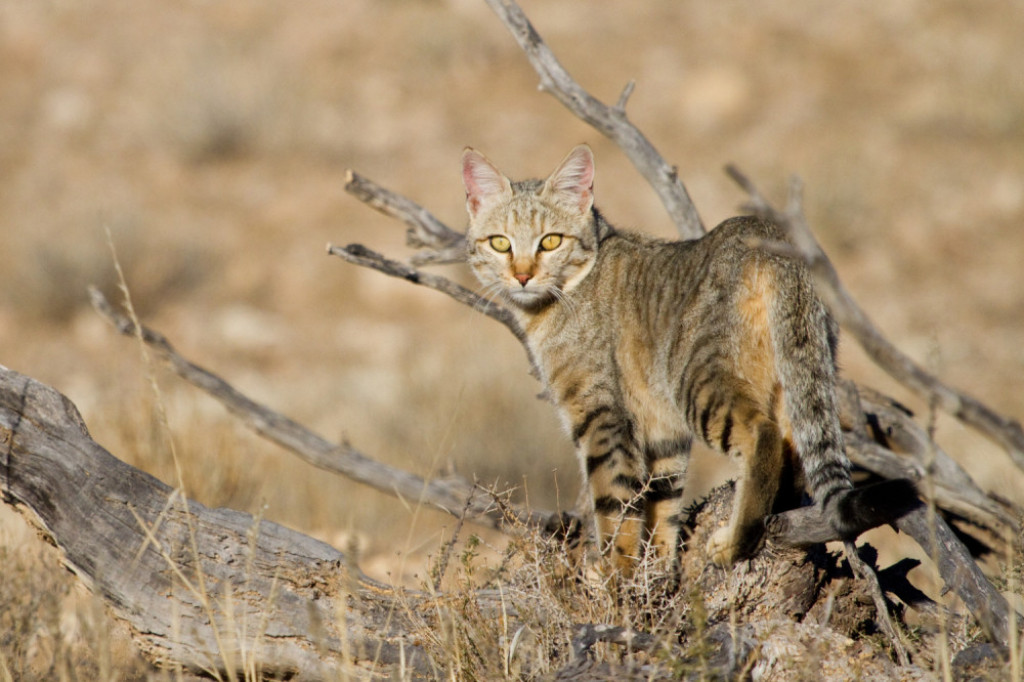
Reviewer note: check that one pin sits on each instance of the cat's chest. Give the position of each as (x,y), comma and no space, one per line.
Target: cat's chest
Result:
(597,346)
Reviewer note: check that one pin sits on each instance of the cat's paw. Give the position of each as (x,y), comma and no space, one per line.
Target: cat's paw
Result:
(722,547)
(729,544)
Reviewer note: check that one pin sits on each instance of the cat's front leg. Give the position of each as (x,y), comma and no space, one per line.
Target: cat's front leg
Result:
(667,460)
(615,470)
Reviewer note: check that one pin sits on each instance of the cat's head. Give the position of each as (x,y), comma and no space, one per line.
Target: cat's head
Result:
(531,241)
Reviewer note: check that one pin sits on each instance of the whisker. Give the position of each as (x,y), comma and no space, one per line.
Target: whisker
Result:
(489,292)
(564,299)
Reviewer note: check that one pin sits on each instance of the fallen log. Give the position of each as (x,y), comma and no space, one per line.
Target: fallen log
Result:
(214,591)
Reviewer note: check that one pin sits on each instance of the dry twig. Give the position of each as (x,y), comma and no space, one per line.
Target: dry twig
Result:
(357,254)
(437,243)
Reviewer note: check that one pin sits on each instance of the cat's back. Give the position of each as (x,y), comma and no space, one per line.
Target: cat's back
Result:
(634,267)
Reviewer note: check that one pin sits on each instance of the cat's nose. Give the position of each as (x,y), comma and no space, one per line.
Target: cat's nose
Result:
(522,278)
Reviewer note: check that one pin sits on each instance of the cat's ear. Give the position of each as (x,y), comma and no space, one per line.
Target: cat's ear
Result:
(485,185)
(572,183)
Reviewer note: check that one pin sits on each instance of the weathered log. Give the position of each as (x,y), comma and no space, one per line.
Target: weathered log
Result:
(205,589)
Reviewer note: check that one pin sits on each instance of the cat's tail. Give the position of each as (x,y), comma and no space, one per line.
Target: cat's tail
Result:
(872,505)
(805,343)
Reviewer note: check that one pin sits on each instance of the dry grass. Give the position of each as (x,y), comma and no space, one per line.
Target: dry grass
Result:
(211,139)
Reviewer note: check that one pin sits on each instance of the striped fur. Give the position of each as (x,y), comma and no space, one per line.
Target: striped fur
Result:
(646,345)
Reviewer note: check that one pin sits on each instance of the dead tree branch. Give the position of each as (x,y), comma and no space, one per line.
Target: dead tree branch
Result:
(213,590)
(448,494)
(893,428)
(437,243)
(609,121)
(1002,430)
(960,572)
(357,254)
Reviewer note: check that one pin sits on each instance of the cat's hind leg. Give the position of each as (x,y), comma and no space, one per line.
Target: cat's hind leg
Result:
(761,447)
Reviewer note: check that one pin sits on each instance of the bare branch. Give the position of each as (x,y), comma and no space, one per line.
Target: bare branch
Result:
(452,495)
(1002,430)
(955,490)
(609,121)
(425,231)
(867,574)
(960,572)
(358,254)
(624,96)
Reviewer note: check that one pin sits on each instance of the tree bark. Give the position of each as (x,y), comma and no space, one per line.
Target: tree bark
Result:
(206,589)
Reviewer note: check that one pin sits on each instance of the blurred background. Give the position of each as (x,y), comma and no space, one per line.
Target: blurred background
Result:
(210,140)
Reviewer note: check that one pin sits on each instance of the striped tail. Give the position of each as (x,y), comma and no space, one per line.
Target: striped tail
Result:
(805,351)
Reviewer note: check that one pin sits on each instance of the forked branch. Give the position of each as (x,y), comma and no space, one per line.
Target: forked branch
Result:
(437,243)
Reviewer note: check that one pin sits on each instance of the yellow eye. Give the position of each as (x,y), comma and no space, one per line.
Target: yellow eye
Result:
(550,242)
(500,244)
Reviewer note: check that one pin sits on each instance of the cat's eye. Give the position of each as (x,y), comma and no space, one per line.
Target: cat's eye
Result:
(500,244)
(550,242)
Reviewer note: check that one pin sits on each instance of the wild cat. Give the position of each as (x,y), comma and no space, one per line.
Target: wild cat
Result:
(646,344)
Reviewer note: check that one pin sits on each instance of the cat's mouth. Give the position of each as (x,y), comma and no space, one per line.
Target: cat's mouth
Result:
(530,298)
